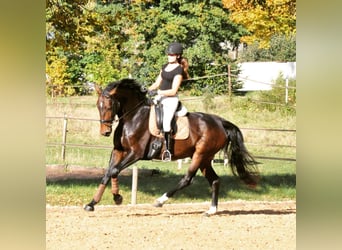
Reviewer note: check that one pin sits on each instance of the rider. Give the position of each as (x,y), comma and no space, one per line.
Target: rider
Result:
(168,81)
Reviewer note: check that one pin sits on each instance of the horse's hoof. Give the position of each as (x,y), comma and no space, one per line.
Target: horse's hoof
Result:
(89,208)
(117,199)
(158,204)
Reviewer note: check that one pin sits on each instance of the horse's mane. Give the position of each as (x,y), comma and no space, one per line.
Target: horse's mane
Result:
(128,83)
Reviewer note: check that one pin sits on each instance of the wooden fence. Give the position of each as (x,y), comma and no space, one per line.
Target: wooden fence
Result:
(64,144)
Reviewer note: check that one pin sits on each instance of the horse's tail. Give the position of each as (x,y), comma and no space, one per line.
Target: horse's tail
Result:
(240,160)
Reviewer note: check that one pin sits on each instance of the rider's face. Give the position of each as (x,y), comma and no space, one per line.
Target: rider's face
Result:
(172,58)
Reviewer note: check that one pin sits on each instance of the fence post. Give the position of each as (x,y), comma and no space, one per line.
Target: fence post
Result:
(286,90)
(229,82)
(179,163)
(65,130)
(134,185)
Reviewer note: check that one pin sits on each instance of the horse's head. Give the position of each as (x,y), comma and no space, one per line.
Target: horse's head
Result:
(108,108)
(120,98)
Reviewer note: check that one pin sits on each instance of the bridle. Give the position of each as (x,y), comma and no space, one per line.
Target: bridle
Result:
(109,122)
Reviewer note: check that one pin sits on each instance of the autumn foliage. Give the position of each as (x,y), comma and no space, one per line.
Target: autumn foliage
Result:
(263,18)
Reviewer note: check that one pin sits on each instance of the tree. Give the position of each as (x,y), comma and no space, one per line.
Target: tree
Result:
(200,26)
(66,24)
(263,18)
(102,41)
(57,74)
(87,37)
(281,49)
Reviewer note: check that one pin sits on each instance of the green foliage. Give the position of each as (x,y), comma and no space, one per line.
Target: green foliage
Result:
(273,100)
(66,24)
(276,97)
(57,74)
(217,84)
(281,49)
(88,37)
(102,41)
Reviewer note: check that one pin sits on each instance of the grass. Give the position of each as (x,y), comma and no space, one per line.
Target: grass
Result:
(278,177)
(278,182)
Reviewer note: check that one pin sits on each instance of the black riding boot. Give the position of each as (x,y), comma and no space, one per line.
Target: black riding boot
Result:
(167,153)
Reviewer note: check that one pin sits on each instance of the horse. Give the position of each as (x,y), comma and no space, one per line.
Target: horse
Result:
(128,101)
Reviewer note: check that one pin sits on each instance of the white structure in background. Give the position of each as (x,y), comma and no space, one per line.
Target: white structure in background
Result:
(261,75)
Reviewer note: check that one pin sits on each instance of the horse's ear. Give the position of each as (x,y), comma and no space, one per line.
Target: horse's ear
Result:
(113,91)
(98,89)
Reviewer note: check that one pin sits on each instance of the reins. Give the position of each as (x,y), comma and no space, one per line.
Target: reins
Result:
(130,111)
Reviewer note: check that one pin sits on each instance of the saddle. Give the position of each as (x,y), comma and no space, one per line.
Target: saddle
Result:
(179,124)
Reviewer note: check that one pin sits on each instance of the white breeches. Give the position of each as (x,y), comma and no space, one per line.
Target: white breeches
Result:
(169,108)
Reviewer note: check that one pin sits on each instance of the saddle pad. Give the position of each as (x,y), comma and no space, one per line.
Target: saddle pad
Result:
(182,126)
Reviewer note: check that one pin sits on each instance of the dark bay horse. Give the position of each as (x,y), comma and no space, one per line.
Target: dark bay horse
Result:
(127,100)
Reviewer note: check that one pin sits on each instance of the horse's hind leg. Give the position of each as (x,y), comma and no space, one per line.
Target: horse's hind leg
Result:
(184,182)
(214,182)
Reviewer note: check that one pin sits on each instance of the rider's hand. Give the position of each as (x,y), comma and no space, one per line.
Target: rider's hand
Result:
(152,92)
(157,99)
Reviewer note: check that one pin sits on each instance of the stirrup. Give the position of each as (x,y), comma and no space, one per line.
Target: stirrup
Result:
(166,156)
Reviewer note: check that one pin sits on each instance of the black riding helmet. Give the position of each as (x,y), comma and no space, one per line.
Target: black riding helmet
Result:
(175,48)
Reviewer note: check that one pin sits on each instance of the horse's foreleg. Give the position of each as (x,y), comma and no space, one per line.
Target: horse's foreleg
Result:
(126,161)
(105,180)
(115,191)
(98,195)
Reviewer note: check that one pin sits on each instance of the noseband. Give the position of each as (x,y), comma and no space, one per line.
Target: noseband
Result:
(109,122)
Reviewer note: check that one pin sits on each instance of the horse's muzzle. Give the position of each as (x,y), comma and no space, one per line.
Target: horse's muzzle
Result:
(105,130)
(106,134)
